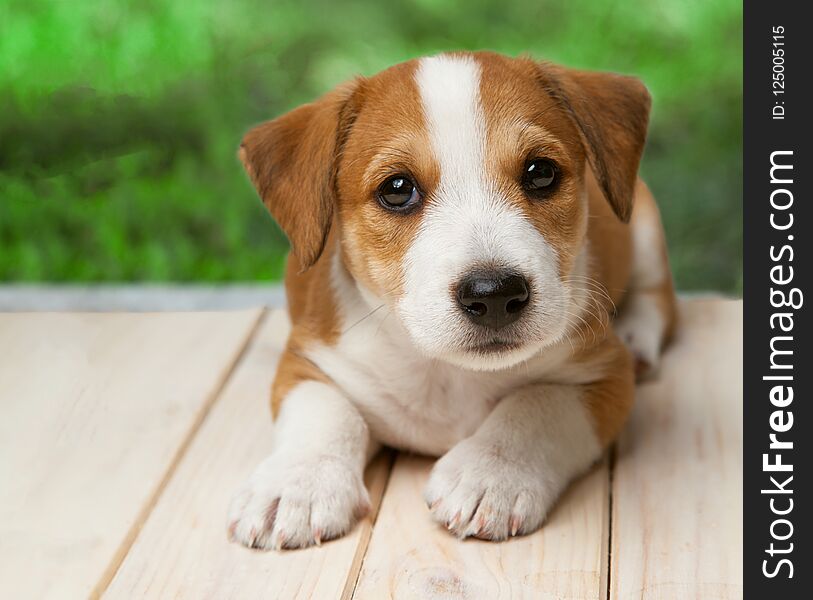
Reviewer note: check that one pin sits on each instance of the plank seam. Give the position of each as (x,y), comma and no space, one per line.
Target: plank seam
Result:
(217,391)
(350,590)
(610,477)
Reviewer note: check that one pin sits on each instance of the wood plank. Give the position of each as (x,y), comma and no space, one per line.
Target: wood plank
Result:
(96,409)
(182,551)
(677,484)
(412,557)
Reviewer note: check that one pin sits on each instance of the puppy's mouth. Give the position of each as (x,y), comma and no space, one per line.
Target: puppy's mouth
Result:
(496,346)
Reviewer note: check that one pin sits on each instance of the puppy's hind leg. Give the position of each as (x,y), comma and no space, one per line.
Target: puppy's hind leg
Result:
(647,317)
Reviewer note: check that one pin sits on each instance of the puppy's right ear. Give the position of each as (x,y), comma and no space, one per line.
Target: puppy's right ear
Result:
(292,163)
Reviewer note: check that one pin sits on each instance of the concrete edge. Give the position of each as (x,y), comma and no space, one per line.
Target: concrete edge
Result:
(138,298)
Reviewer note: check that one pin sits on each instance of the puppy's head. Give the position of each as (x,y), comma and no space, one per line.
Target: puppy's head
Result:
(455,186)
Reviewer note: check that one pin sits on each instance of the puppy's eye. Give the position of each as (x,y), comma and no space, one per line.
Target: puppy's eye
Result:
(539,176)
(398,193)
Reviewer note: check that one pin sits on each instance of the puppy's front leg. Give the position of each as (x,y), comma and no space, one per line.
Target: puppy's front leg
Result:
(311,487)
(504,479)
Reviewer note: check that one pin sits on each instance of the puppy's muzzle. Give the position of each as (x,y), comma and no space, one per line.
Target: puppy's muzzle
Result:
(492,298)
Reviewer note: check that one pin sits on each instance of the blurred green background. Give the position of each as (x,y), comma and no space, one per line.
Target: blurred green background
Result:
(119,121)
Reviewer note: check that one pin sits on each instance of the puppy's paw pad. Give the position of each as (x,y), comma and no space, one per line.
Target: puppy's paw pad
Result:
(289,503)
(476,492)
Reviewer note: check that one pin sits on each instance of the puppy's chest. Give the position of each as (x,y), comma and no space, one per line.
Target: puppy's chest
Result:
(410,402)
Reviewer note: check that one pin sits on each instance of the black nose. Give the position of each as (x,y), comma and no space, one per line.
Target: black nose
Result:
(492,298)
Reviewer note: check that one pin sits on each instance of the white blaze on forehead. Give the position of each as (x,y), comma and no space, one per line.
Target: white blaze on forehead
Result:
(467,220)
(450,93)
(465,209)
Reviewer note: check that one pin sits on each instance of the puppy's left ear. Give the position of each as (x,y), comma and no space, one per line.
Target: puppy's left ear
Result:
(611,113)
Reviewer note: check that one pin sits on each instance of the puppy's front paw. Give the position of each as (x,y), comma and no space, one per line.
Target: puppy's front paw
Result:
(479,490)
(289,502)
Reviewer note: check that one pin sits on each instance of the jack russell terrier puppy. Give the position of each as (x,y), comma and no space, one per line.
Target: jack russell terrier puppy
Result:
(462,228)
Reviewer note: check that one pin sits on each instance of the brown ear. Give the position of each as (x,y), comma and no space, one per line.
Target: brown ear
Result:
(292,163)
(611,113)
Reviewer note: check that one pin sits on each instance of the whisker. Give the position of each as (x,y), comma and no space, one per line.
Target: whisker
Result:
(369,314)
(381,324)
(595,285)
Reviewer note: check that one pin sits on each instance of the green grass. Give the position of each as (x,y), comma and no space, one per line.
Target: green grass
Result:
(119,121)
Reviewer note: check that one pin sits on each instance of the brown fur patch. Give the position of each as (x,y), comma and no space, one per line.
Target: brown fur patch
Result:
(610,246)
(312,305)
(610,399)
(389,137)
(293,369)
(525,123)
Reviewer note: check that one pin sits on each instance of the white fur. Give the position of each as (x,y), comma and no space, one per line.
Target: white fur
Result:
(503,480)
(649,268)
(311,487)
(642,324)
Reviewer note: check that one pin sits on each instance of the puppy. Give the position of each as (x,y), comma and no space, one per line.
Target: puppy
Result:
(462,228)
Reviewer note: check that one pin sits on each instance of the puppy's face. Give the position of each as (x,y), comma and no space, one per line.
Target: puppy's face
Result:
(456,187)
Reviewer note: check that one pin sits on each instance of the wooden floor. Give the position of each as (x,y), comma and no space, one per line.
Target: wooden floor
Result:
(123,435)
